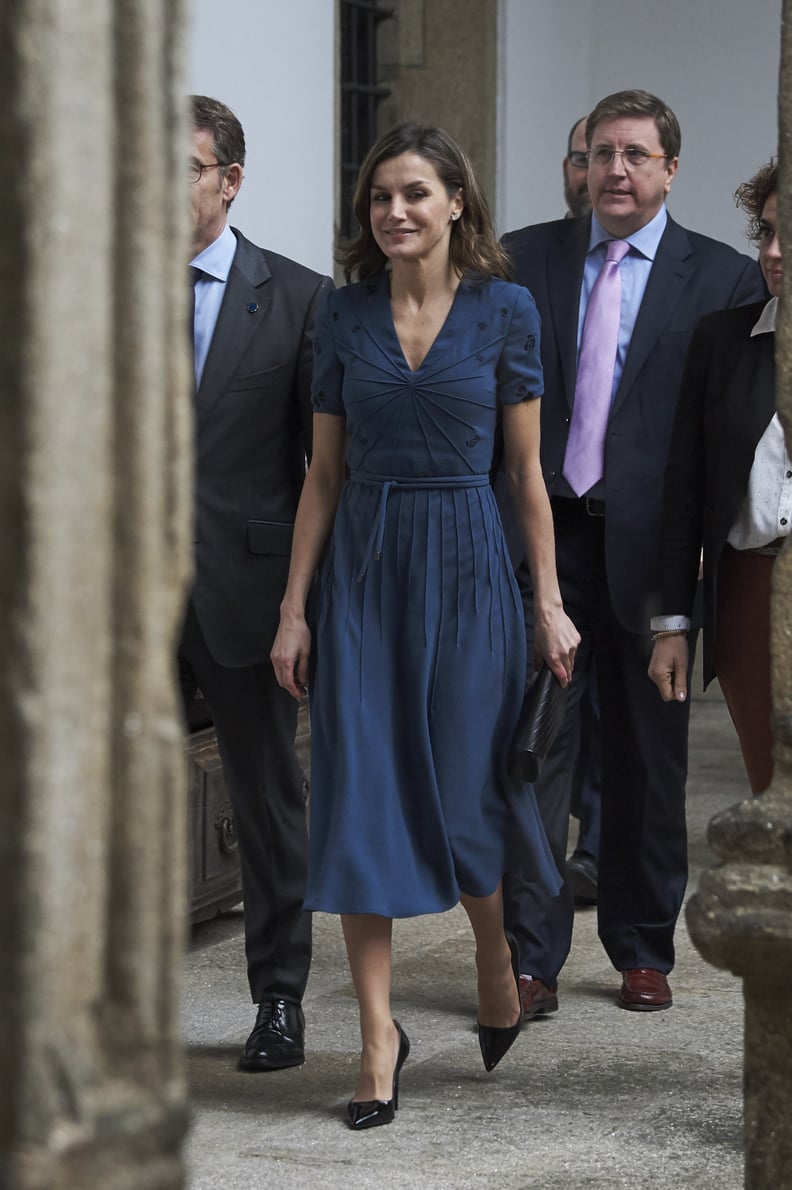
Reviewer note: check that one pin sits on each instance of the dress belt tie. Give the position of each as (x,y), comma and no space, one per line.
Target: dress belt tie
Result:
(419,483)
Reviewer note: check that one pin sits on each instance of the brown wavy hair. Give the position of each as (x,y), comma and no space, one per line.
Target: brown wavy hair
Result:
(753,194)
(474,248)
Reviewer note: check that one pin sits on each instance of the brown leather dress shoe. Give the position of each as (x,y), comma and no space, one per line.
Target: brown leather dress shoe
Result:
(537,998)
(644,990)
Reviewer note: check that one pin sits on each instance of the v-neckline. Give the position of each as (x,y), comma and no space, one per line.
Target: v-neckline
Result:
(438,336)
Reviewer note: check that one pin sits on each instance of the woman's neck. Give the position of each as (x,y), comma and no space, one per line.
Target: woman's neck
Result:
(418,282)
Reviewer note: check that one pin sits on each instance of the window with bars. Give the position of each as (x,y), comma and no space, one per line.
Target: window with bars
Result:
(360,94)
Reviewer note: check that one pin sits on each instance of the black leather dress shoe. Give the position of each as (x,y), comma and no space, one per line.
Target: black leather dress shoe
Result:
(582,874)
(278,1037)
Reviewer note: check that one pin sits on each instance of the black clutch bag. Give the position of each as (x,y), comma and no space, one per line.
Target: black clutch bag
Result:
(541,717)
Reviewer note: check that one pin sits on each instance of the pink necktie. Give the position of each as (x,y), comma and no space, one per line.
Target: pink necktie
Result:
(585,452)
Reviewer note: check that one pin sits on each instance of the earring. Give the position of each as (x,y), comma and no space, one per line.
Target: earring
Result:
(454,216)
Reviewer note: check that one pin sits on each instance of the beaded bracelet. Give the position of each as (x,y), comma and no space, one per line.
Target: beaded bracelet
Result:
(669,632)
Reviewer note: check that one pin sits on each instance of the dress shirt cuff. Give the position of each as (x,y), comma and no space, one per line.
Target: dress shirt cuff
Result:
(669,624)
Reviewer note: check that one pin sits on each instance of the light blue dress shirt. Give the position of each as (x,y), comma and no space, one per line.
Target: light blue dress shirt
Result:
(215,261)
(635,269)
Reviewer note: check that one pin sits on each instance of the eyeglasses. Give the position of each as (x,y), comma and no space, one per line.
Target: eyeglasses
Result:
(632,158)
(195,168)
(578,158)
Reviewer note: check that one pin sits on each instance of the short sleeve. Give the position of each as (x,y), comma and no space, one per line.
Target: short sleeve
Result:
(519,372)
(328,371)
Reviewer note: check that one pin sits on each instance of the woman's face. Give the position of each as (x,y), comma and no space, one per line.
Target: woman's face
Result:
(769,247)
(410,210)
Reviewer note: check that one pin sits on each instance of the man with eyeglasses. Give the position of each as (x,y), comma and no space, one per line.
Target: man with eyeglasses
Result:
(619,294)
(253,340)
(575,169)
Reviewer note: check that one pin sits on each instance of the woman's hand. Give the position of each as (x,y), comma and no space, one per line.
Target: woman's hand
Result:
(312,527)
(668,667)
(556,642)
(290,652)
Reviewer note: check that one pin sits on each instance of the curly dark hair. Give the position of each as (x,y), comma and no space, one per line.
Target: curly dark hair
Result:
(636,104)
(474,247)
(753,194)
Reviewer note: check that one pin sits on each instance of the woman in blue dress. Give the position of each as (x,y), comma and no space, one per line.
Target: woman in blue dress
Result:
(419,663)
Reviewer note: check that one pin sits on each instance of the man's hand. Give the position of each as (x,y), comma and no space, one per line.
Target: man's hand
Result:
(668,667)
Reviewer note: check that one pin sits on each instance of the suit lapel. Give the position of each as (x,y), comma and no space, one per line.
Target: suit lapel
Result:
(751,387)
(669,275)
(246,304)
(743,394)
(565,263)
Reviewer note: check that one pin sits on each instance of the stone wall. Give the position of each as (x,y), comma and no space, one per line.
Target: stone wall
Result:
(439,58)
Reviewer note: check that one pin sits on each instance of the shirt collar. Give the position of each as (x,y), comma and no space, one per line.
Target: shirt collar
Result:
(645,240)
(766,323)
(217,258)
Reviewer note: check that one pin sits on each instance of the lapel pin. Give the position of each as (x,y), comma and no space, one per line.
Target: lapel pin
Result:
(252,307)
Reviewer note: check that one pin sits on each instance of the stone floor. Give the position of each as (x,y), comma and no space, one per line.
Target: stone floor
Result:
(590,1097)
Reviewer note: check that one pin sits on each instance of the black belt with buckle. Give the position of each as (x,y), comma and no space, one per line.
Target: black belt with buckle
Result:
(587,504)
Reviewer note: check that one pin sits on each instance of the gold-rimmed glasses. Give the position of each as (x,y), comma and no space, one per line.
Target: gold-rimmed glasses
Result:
(632,157)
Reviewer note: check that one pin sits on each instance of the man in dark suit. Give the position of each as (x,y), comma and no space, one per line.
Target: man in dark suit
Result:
(606,427)
(253,331)
(583,751)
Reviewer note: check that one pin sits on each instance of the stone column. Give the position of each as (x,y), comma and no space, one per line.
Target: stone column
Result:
(741,916)
(94,482)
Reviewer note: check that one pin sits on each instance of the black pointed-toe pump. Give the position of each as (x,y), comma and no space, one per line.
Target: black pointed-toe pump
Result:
(371,1113)
(494,1042)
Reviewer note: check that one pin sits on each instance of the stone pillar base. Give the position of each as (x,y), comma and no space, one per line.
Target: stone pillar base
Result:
(127,1148)
(741,919)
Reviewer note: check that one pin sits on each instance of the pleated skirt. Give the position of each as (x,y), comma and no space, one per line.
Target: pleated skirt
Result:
(419,668)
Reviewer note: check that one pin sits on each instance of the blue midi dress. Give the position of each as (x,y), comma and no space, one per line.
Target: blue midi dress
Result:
(419,649)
